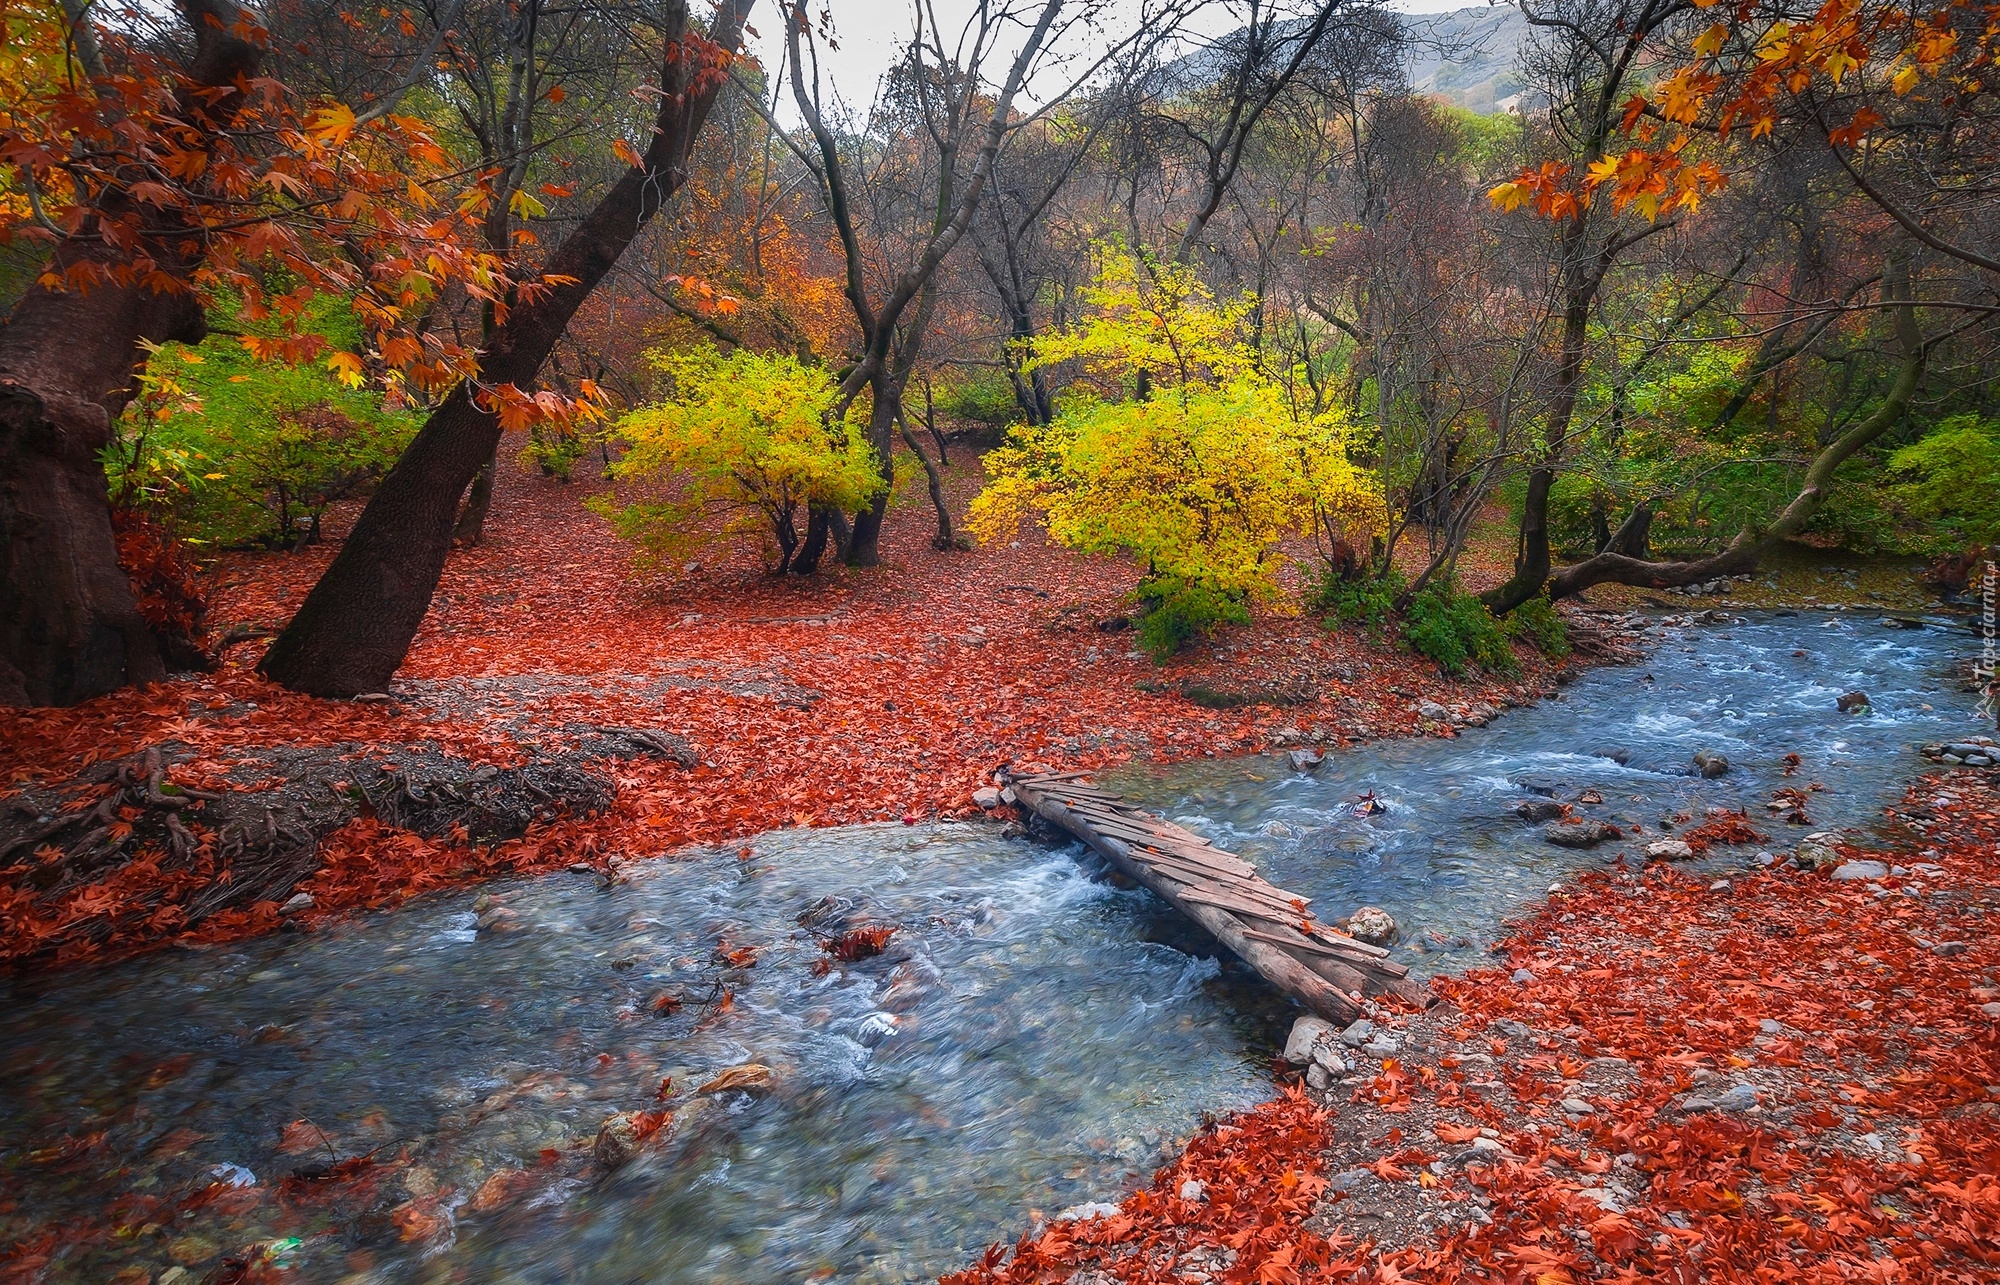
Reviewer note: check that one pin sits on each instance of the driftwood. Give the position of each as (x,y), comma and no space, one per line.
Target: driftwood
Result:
(1268,928)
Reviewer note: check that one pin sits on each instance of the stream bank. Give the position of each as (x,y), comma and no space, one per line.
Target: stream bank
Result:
(421,1094)
(1774,1073)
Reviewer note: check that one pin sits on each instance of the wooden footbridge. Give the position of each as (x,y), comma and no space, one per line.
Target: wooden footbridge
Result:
(1270,929)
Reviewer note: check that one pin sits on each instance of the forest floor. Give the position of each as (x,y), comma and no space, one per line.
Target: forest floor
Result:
(1677,1075)
(556,709)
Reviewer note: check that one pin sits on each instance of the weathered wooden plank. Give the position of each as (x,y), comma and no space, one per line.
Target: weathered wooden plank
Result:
(1332,951)
(1217,869)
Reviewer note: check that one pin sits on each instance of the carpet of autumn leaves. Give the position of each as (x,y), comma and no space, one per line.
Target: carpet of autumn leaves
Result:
(857,696)
(1865,1016)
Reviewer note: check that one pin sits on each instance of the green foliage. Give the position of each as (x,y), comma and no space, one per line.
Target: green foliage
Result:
(1536,623)
(236,450)
(1178,611)
(982,396)
(750,436)
(1454,629)
(555,448)
(1951,479)
(1363,600)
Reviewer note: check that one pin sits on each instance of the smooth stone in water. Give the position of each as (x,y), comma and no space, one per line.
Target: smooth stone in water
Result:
(1852,702)
(1373,925)
(1536,811)
(1710,764)
(1669,850)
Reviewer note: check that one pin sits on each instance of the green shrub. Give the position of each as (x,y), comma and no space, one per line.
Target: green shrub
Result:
(1179,610)
(1536,623)
(1950,479)
(1454,629)
(1363,600)
(555,448)
(983,396)
(236,450)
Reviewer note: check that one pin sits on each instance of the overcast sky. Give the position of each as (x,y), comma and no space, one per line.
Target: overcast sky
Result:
(872,32)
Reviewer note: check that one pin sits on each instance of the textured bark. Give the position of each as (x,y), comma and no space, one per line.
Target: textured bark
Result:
(69,360)
(356,625)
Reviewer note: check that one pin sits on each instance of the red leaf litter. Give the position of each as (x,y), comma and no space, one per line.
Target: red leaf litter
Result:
(856,696)
(1789,1078)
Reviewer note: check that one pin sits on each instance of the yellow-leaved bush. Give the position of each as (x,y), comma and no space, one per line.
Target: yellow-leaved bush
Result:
(750,437)
(1201,481)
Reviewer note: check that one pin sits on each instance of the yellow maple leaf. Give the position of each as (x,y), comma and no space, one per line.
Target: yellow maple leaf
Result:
(346,367)
(333,123)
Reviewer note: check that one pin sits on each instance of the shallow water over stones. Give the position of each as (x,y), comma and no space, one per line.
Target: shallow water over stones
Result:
(1031,1039)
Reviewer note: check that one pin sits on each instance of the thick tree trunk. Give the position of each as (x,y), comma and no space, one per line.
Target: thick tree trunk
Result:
(356,625)
(69,626)
(864,547)
(814,548)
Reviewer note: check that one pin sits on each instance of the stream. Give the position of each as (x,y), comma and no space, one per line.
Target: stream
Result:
(1032,1038)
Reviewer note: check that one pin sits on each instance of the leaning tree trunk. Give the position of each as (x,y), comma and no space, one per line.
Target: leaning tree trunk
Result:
(70,628)
(355,627)
(1531,557)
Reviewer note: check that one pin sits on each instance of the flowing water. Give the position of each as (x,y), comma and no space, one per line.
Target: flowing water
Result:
(1032,1038)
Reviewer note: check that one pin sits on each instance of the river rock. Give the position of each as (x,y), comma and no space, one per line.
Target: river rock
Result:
(295,903)
(1859,870)
(1318,1078)
(1358,1033)
(1669,850)
(618,1139)
(1194,1191)
(750,1077)
(1819,851)
(1306,1035)
(1737,1097)
(1373,925)
(1433,712)
(1581,834)
(1710,763)
(1087,1210)
(1853,702)
(1536,811)
(1307,760)
(1617,754)
(986,798)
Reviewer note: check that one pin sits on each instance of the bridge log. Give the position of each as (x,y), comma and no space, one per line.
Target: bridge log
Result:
(1238,911)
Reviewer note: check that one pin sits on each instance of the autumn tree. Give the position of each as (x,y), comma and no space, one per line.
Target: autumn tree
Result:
(744,443)
(1178,450)
(957,125)
(1880,91)
(161,173)
(355,627)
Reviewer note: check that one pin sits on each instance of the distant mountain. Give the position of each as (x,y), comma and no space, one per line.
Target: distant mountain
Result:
(1467,56)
